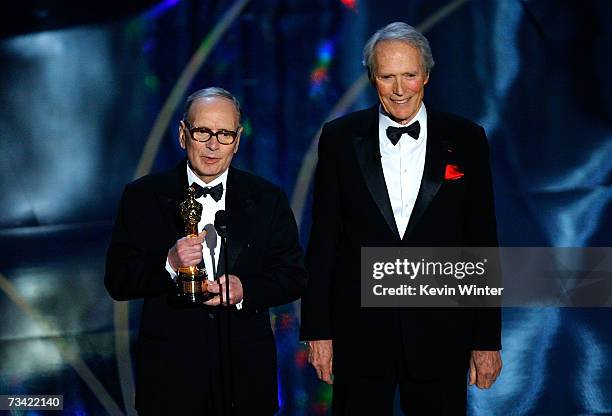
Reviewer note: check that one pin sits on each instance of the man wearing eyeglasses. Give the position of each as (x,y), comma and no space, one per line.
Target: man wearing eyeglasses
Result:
(182,365)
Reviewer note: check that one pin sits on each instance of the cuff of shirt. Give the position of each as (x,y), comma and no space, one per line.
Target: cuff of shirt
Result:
(170,271)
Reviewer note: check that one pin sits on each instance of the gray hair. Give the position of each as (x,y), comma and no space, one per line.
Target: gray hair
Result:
(209,93)
(398,31)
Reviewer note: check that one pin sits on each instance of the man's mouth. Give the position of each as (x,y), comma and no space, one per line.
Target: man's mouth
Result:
(404,101)
(210,160)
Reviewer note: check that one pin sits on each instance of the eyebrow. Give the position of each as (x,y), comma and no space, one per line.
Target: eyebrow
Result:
(208,128)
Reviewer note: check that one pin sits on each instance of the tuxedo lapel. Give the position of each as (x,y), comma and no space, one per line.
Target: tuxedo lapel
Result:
(170,194)
(368,156)
(241,208)
(433,172)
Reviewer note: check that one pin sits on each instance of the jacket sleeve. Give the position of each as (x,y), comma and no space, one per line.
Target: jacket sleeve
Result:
(283,278)
(481,230)
(133,269)
(323,244)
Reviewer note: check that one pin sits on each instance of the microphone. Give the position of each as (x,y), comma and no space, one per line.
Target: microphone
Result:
(221,227)
(211,243)
(211,237)
(221,223)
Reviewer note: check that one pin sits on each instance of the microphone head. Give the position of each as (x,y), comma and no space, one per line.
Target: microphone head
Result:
(221,223)
(211,236)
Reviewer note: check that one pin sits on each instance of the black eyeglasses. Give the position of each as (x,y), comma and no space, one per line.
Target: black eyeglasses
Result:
(203,134)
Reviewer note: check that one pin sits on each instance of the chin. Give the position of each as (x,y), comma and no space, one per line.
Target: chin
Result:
(400,117)
(404,115)
(202,172)
(210,174)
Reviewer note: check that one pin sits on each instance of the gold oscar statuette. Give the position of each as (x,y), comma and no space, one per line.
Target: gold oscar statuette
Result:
(192,281)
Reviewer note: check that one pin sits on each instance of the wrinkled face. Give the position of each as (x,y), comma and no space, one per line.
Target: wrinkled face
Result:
(210,159)
(399,79)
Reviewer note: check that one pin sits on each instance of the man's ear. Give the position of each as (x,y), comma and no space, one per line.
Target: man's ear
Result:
(238,140)
(371,77)
(181,134)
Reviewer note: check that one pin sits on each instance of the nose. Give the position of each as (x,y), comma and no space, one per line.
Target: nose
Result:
(398,88)
(213,144)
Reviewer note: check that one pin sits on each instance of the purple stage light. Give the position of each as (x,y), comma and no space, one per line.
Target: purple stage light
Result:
(160,9)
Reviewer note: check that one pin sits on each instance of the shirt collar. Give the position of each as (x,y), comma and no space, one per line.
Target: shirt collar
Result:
(192,177)
(385,121)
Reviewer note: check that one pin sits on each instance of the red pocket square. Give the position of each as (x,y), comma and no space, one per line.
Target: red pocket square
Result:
(453,172)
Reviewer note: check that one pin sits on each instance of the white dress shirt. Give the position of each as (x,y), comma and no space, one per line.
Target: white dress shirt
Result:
(402,165)
(212,242)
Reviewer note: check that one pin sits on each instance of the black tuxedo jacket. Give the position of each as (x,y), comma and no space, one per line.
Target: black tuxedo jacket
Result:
(351,209)
(178,353)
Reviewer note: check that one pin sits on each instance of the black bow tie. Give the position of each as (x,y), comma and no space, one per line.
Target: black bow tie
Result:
(216,192)
(394,133)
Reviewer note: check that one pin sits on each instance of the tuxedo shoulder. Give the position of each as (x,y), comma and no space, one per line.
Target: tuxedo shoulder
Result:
(453,120)
(337,132)
(152,180)
(254,182)
(352,121)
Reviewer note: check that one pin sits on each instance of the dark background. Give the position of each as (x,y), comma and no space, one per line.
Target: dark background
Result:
(81,88)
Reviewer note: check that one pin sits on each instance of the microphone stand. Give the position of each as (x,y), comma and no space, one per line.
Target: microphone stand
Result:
(221,227)
(228,403)
(211,243)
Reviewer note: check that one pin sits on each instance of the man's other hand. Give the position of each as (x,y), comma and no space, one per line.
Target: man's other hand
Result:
(186,252)
(320,356)
(485,367)
(235,291)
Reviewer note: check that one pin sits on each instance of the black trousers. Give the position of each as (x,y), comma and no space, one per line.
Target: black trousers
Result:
(442,395)
(199,387)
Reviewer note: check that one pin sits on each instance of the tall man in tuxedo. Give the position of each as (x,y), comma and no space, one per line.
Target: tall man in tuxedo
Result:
(397,174)
(180,365)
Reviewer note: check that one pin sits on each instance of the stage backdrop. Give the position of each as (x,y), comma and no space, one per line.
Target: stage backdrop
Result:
(91,96)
